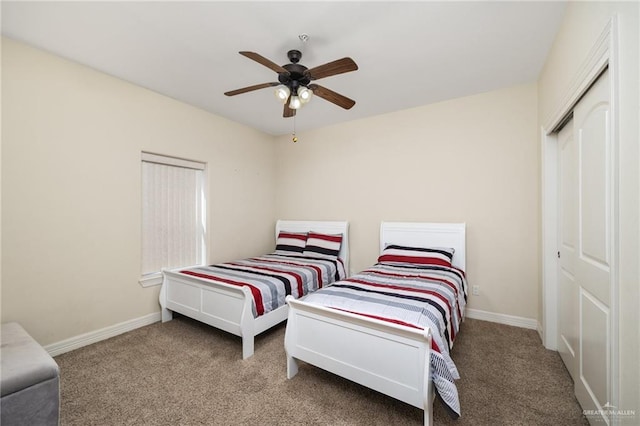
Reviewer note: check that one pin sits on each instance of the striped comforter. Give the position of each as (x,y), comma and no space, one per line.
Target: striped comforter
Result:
(424,296)
(272,277)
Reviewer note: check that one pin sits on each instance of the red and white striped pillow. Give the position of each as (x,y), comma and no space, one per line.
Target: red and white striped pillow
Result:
(291,242)
(394,254)
(323,245)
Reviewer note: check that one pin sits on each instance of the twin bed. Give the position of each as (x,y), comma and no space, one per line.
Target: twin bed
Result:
(224,296)
(389,327)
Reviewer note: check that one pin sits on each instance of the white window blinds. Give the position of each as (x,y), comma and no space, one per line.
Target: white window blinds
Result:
(173,215)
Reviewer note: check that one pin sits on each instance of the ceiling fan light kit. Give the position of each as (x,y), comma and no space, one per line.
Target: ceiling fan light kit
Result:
(305,94)
(282,93)
(294,87)
(295,102)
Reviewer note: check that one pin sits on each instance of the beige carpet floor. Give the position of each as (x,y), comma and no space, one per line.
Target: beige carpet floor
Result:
(185,373)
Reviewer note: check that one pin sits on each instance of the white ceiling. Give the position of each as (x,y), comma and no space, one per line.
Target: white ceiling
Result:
(408,53)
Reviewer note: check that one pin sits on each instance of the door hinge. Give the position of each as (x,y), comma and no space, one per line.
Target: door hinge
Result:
(558,255)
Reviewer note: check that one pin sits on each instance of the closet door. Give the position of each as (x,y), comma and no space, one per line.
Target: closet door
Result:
(586,206)
(568,289)
(593,260)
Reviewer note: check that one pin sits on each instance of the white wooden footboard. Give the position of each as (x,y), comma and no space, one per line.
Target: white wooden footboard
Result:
(383,356)
(217,304)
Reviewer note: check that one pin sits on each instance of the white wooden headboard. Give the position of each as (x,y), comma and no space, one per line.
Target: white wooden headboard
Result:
(419,234)
(324,227)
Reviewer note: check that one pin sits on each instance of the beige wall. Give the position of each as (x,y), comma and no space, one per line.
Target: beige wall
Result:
(583,23)
(470,160)
(71,143)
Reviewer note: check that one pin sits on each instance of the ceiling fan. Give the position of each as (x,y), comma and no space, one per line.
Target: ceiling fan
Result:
(294,81)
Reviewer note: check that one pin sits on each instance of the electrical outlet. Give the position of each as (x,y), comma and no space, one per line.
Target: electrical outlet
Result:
(475,290)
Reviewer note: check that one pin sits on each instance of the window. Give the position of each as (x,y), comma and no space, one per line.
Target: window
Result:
(173,215)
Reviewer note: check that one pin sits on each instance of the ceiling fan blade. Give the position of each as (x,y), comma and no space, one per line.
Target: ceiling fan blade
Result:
(264,61)
(288,112)
(250,88)
(331,96)
(339,66)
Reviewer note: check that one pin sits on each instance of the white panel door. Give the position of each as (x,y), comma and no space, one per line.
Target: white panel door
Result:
(593,260)
(568,242)
(586,205)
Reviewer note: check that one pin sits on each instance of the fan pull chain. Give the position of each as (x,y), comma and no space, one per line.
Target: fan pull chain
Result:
(295,138)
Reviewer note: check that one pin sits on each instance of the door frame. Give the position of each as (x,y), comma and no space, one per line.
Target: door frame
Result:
(603,54)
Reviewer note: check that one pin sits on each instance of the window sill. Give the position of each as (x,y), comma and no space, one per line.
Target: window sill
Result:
(151,280)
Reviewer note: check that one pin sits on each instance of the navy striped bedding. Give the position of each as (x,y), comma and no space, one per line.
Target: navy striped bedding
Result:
(411,295)
(273,277)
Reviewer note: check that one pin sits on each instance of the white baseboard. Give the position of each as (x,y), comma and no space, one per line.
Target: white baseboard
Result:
(85,339)
(502,318)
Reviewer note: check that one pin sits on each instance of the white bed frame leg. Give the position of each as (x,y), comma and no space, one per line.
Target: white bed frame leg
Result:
(167,315)
(292,367)
(247,346)
(428,383)
(289,339)
(428,417)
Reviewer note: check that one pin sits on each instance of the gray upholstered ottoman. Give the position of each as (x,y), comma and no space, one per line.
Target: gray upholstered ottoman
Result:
(29,385)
